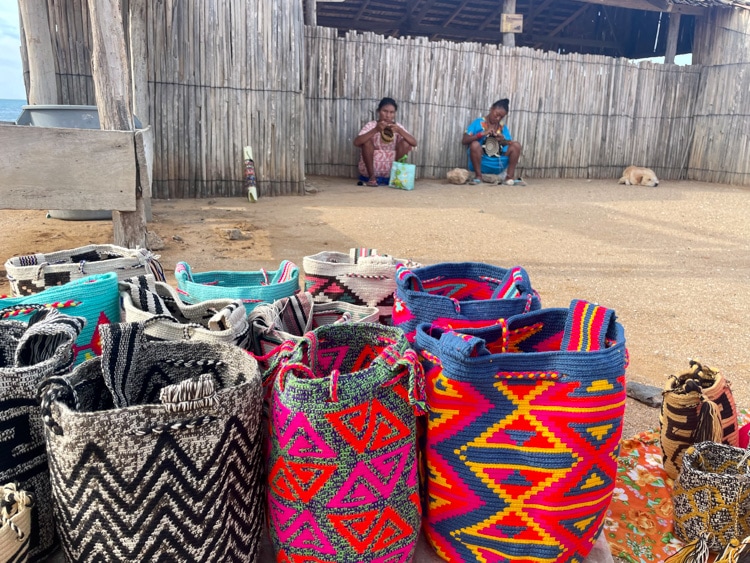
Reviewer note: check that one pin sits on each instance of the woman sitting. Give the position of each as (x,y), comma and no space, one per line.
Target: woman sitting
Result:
(382,142)
(491,149)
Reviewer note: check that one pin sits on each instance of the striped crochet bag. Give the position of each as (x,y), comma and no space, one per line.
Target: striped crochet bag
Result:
(342,479)
(362,277)
(527,471)
(166,317)
(29,354)
(251,288)
(292,317)
(36,272)
(155,451)
(460,295)
(94,298)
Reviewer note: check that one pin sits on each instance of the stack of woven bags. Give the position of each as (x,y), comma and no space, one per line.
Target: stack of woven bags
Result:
(342,414)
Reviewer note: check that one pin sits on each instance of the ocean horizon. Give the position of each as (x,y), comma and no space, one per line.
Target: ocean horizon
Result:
(10,110)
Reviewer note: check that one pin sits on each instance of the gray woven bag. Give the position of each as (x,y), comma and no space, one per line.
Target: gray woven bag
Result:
(167,317)
(155,451)
(28,355)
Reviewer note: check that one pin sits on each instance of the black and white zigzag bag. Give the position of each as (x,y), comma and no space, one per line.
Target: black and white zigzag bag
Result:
(155,451)
(28,355)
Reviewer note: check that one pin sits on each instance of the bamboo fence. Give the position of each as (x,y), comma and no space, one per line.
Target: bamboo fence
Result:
(577,116)
(222,75)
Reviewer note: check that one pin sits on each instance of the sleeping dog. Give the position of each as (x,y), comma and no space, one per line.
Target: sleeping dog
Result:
(638,176)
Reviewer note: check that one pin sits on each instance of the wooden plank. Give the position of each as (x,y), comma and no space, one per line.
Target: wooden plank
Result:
(672,36)
(42,80)
(51,168)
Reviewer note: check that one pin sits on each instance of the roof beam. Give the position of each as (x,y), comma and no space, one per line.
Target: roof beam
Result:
(454,14)
(564,24)
(362,9)
(650,6)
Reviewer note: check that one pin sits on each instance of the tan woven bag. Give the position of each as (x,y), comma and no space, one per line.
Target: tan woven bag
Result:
(15,524)
(698,406)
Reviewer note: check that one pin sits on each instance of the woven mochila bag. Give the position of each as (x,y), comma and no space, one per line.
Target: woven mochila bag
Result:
(697,406)
(252,288)
(155,451)
(523,431)
(94,298)
(362,277)
(36,272)
(15,524)
(342,475)
(292,317)
(460,295)
(711,494)
(29,354)
(166,317)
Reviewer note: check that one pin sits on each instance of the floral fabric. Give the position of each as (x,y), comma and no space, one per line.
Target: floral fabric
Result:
(639,525)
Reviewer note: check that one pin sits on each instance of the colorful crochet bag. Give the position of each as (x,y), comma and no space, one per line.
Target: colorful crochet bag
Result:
(292,317)
(362,277)
(697,405)
(15,524)
(36,272)
(460,295)
(94,298)
(251,288)
(166,317)
(711,495)
(29,354)
(342,476)
(155,451)
(523,431)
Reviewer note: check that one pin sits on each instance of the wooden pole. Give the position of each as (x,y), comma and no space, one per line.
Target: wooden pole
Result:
(311,16)
(109,63)
(509,7)
(673,35)
(139,70)
(42,80)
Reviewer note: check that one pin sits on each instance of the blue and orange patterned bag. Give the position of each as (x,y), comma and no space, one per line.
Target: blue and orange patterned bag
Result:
(523,431)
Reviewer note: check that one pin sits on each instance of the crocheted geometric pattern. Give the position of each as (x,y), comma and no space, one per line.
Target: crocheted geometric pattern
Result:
(710,494)
(527,472)
(342,482)
(176,480)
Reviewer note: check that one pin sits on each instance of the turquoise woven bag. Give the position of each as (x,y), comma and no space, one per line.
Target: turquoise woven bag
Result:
(95,298)
(251,288)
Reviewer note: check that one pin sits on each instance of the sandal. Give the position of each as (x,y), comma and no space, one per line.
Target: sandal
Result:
(372,182)
(475,181)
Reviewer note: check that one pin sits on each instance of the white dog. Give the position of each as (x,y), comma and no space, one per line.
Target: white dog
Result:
(638,176)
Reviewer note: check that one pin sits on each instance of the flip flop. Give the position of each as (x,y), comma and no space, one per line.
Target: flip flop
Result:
(372,182)
(475,181)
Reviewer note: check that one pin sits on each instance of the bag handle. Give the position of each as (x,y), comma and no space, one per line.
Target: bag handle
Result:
(183,272)
(466,345)
(22,309)
(41,341)
(406,363)
(587,327)
(287,271)
(408,278)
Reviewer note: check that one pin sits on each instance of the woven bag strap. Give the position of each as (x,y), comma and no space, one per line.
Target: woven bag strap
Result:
(356,253)
(463,345)
(42,340)
(407,279)
(287,271)
(587,327)
(182,272)
(402,364)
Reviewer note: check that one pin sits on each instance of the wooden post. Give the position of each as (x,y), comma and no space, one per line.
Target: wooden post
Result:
(42,80)
(311,16)
(673,35)
(139,72)
(109,63)
(509,7)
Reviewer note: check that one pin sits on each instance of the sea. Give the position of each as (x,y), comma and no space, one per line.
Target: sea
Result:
(10,109)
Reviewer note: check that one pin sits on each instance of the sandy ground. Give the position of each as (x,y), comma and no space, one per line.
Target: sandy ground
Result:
(673,261)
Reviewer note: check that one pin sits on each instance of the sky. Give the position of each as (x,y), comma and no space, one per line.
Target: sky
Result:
(11,73)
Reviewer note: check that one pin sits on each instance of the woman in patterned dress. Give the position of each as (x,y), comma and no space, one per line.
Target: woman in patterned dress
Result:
(382,142)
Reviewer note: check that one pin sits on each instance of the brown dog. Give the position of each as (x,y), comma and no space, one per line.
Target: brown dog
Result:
(638,176)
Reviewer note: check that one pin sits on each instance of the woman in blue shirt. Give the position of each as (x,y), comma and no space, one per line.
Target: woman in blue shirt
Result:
(477,133)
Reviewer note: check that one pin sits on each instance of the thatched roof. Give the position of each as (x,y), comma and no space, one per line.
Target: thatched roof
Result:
(619,28)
